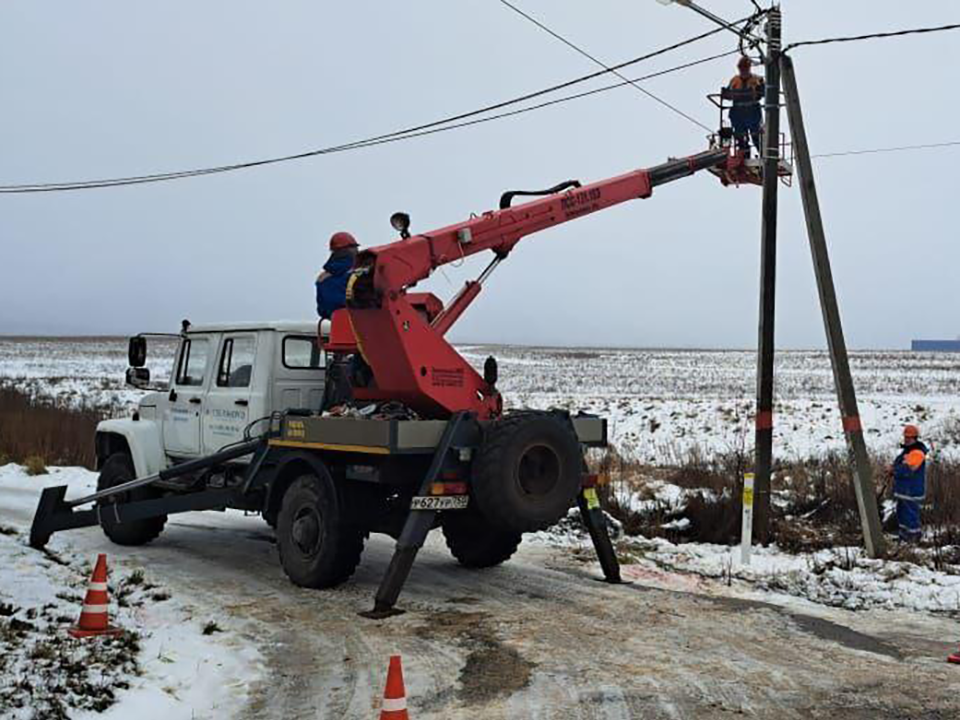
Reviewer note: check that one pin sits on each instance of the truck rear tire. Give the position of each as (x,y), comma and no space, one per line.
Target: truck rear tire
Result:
(527,472)
(119,469)
(317,549)
(475,542)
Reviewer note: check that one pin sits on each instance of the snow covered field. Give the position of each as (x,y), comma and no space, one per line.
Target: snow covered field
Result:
(850,615)
(661,403)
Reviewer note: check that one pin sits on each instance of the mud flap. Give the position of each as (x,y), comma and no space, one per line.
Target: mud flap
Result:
(593,518)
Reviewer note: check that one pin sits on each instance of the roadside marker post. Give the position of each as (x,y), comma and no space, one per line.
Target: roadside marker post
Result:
(746,532)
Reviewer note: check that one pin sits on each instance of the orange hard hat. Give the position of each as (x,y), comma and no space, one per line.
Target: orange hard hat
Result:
(744,62)
(911,431)
(341,240)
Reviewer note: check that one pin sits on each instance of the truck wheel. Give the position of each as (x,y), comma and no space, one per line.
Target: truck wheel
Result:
(527,472)
(119,469)
(317,549)
(475,542)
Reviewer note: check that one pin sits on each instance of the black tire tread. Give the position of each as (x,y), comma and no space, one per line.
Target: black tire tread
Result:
(497,436)
(139,532)
(475,542)
(349,542)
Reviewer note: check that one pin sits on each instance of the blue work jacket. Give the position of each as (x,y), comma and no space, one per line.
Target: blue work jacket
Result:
(332,290)
(910,473)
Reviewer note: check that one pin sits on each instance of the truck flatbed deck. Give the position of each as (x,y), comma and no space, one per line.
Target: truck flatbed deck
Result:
(393,436)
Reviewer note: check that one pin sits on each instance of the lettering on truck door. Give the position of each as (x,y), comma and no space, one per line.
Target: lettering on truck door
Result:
(231,401)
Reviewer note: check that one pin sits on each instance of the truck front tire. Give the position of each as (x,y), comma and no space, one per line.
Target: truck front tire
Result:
(116,470)
(475,542)
(317,548)
(528,470)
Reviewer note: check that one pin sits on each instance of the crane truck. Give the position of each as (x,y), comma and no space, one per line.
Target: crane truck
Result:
(249,421)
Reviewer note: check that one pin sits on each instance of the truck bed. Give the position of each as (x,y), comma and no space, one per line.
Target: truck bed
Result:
(392,436)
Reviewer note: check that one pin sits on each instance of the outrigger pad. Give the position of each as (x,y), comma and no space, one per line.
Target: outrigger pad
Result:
(51,502)
(54,514)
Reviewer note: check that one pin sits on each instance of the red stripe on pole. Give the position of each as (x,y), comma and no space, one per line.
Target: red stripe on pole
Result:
(765,420)
(852,424)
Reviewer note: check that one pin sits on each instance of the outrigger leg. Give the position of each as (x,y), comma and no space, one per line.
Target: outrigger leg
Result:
(596,523)
(55,512)
(414,533)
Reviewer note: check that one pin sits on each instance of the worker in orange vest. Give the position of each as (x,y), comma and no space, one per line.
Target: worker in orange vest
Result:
(746,117)
(909,483)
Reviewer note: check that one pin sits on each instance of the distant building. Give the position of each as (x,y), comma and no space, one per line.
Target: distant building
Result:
(935,345)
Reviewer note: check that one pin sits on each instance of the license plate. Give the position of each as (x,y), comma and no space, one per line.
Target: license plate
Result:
(439,502)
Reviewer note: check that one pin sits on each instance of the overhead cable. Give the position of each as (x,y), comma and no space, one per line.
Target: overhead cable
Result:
(594,59)
(873,36)
(415,131)
(902,148)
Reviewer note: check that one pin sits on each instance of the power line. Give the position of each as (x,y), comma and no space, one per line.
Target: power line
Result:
(902,148)
(873,36)
(385,140)
(577,48)
(415,131)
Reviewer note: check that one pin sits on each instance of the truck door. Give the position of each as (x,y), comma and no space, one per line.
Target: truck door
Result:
(232,401)
(181,416)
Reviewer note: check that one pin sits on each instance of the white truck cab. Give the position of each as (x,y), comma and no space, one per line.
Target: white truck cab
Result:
(224,377)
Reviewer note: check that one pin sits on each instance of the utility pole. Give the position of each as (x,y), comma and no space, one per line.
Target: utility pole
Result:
(768,279)
(863,471)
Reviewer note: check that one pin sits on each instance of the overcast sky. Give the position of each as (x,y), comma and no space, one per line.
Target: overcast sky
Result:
(100,89)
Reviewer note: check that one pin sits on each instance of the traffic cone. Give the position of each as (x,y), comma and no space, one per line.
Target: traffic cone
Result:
(395,696)
(93,616)
(954,658)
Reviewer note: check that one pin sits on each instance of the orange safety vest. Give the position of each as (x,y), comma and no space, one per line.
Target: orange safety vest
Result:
(751,83)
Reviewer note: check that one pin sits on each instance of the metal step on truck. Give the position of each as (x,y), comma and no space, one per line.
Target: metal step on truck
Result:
(242,424)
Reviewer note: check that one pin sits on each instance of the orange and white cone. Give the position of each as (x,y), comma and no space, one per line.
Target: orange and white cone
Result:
(94,619)
(395,696)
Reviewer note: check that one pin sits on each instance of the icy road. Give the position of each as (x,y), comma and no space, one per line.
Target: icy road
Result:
(539,637)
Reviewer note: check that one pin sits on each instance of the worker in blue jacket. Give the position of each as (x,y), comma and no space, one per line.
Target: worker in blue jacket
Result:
(909,483)
(332,282)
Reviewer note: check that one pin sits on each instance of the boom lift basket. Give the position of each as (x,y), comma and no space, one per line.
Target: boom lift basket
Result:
(741,169)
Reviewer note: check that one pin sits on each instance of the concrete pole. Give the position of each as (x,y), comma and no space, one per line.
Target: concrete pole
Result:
(863,471)
(768,280)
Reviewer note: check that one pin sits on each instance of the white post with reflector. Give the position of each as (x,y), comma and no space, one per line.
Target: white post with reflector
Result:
(746,531)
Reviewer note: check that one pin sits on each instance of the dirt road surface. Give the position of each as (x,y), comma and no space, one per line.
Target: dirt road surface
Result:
(541,637)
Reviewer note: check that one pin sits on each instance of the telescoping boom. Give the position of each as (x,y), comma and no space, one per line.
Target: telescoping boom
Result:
(401,335)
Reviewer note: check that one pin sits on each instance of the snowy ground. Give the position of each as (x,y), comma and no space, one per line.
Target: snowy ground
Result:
(829,627)
(661,403)
(535,638)
(164,666)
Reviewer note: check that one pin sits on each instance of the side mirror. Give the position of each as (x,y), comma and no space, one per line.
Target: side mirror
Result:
(137,351)
(138,377)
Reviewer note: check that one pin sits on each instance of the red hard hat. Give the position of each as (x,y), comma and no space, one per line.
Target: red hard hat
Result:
(341,240)
(745,62)
(911,431)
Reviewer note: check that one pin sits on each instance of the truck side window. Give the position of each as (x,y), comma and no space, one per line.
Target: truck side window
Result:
(193,362)
(236,362)
(300,352)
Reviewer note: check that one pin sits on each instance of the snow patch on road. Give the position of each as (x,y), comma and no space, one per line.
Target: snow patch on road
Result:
(178,672)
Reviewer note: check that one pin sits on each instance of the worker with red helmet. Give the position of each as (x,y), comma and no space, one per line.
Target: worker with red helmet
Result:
(332,282)
(745,90)
(909,483)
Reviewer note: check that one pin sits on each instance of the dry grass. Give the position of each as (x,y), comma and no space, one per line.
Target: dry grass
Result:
(44,433)
(814,504)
